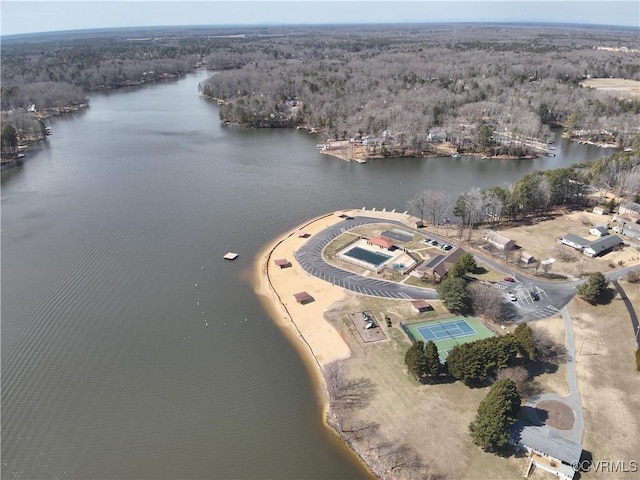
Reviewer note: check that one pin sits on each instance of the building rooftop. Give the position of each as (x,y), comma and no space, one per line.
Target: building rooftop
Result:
(547,441)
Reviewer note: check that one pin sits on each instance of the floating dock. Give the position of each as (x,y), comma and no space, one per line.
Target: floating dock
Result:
(230,256)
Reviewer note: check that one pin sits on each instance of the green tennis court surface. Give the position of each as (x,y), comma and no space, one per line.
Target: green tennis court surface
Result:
(448,332)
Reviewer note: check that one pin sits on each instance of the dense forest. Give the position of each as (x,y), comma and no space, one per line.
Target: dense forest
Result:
(398,88)
(407,87)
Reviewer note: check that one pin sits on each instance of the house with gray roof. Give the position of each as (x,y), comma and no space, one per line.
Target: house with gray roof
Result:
(602,245)
(501,242)
(548,450)
(574,241)
(599,230)
(436,267)
(630,208)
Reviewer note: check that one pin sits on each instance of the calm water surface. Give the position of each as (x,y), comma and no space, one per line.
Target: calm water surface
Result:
(130,349)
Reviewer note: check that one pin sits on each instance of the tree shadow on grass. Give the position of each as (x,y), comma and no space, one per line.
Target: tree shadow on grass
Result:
(606,297)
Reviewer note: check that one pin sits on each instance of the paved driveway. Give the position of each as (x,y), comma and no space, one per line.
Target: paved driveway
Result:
(310,258)
(552,296)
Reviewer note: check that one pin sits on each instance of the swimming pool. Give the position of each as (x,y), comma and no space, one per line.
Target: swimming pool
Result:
(373,258)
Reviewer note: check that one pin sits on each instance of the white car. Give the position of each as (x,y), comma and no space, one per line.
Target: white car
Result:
(512,297)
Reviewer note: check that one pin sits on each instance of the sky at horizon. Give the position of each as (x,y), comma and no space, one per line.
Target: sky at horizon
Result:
(26,16)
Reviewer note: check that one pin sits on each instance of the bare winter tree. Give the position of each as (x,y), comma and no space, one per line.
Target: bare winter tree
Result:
(418,204)
(486,301)
(547,349)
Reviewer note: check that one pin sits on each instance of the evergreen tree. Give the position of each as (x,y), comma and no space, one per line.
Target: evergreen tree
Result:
(415,359)
(475,362)
(496,412)
(454,294)
(593,288)
(467,262)
(524,336)
(432,359)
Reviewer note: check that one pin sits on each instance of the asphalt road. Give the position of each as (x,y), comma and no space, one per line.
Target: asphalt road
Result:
(552,296)
(310,258)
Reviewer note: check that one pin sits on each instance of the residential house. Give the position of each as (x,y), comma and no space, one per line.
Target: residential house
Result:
(630,208)
(629,229)
(574,241)
(602,245)
(547,449)
(500,241)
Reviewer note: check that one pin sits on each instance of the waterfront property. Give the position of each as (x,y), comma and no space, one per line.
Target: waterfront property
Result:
(447,333)
(547,450)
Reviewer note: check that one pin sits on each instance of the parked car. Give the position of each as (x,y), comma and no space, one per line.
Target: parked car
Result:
(509,279)
(434,243)
(512,297)
(427,240)
(448,247)
(535,296)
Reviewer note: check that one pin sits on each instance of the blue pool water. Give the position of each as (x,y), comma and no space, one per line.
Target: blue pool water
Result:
(374,258)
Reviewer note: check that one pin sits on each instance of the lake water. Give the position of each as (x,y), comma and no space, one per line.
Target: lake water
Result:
(130,348)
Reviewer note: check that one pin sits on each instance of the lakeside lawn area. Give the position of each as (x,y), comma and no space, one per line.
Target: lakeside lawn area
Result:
(397,412)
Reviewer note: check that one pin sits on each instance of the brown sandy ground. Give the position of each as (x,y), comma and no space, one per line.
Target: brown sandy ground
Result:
(539,239)
(619,86)
(608,380)
(551,381)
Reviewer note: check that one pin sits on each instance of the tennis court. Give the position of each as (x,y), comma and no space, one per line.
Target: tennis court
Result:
(448,332)
(438,331)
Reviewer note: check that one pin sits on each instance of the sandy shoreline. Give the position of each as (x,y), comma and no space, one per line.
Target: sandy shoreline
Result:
(317,341)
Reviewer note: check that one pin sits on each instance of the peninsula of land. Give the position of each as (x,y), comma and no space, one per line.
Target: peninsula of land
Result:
(400,427)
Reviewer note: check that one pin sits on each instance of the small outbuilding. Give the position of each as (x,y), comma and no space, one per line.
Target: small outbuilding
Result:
(601,209)
(421,305)
(526,258)
(303,297)
(381,242)
(599,231)
(282,262)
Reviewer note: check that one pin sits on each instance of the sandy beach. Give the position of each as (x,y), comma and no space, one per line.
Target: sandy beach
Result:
(317,341)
